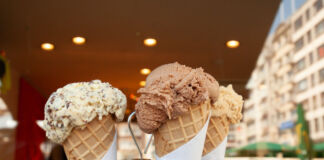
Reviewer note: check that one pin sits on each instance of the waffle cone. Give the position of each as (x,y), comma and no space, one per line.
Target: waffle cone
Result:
(217,130)
(92,141)
(174,133)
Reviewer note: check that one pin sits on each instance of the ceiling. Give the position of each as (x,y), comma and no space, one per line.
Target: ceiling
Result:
(188,31)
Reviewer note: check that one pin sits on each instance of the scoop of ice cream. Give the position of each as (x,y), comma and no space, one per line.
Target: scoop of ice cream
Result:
(77,104)
(229,103)
(169,92)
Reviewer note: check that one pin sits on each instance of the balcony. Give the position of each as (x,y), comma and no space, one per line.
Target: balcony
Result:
(265,123)
(285,87)
(265,133)
(248,104)
(284,50)
(262,93)
(284,69)
(251,131)
(249,115)
(288,106)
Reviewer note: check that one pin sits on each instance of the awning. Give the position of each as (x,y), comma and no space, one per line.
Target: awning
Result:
(262,146)
(287,125)
(267,146)
(319,147)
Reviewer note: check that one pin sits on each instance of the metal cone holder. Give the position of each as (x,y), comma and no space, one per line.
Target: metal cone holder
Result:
(134,139)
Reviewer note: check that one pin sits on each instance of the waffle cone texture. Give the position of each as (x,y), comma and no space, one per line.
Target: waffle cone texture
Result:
(174,133)
(217,130)
(92,141)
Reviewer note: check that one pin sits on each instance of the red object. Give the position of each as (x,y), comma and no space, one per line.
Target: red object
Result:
(28,135)
(321,51)
(2,53)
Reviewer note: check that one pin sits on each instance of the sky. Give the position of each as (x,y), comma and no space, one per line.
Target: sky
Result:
(285,10)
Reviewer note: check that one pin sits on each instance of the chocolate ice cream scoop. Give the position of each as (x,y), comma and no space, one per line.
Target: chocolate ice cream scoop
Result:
(169,92)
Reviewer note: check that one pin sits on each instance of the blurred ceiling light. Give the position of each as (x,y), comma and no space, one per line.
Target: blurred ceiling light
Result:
(47,46)
(142,83)
(132,96)
(6,139)
(145,71)
(78,40)
(150,42)
(232,44)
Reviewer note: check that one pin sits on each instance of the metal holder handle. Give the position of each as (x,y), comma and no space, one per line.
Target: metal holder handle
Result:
(132,134)
(148,144)
(134,139)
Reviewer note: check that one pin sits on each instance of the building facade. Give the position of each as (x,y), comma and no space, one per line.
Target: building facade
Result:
(289,71)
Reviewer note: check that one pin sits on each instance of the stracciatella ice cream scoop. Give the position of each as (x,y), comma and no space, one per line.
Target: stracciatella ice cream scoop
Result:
(77,104)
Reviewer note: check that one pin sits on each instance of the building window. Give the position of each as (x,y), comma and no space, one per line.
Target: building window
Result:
(312,80)
(290,73)
(288,59)
(298,23)
(282,133)
(302,85)
(231,137)
(314,102)
(293,112)
(305,104)
(282,116)
(307,14)
(320,51)
(250,124)
(251,139)
(283,60)
(276,45)
(319,28)
(309,36)
(318,5)
(311,58)
(282,40)
(321,75)
(316,125)
(299,44)
(300,65)
(278,64)
(231,127)
(263,100)
(265,133)
(322,99)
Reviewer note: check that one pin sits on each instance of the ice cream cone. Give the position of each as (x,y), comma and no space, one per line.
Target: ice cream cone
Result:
(92,141)
(217,130)
(225,111)
(177,132)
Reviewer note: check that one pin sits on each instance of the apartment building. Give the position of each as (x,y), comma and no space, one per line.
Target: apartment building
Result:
(258,114)
(308,38)
(289,71)
(282,69)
